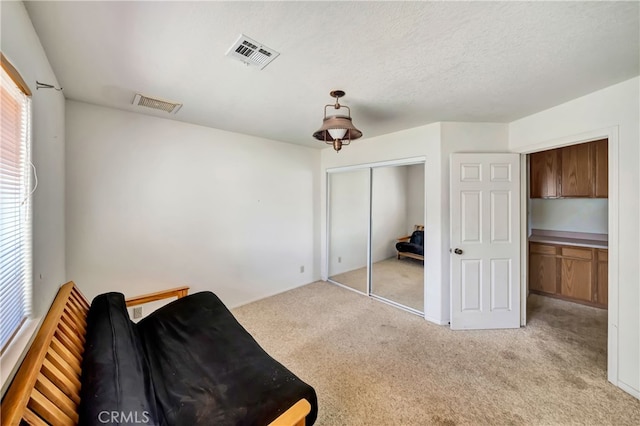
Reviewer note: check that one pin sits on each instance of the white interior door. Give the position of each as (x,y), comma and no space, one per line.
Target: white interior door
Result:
(485,241)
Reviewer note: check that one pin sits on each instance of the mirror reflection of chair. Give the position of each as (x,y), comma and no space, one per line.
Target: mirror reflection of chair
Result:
(412,245)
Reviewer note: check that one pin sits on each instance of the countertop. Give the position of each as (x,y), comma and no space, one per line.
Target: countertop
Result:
(576,239)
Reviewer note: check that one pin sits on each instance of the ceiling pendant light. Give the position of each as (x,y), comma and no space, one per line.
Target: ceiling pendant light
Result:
(337,130)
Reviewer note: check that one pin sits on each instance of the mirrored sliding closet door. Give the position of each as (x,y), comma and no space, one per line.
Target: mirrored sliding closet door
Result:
(348,196)
(397,235)
(376,219)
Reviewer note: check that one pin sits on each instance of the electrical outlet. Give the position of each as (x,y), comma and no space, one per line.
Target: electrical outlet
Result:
(339,259)
(137,312)
(302,269)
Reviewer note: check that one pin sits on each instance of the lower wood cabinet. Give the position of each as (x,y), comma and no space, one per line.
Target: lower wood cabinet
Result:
(576,279)
(542,270)
(602,294)
(568,272)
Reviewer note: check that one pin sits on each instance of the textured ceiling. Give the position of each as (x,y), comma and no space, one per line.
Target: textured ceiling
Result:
(402,64)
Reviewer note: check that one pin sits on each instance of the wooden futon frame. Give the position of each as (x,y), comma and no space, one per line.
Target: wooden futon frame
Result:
(46,388)
(406,239)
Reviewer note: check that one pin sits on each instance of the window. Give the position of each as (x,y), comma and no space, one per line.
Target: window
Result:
(15,203)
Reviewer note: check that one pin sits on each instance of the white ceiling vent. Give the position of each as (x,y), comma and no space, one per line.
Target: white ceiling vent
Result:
(252,52)
(155,103)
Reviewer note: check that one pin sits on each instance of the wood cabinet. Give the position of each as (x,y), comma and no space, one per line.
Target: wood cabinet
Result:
(570,172)
(575,273)
(544,168)
(601,158)
(576,171)
(542,268)
(602,293)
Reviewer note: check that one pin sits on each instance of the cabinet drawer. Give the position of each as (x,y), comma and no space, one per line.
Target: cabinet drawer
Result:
(542,248)
(579,253)
(603,255)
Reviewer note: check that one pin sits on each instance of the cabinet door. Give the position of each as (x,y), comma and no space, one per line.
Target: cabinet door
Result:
(542,272)
(602,292)
(544,168)
(576,278)
(601,157)
(577,171)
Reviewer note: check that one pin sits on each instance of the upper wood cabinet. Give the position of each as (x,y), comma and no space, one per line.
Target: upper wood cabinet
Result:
(544,178)
(570,172)
(601,158)
(576,177)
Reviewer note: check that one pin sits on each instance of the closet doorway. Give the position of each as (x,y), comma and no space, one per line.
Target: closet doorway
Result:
(375,227)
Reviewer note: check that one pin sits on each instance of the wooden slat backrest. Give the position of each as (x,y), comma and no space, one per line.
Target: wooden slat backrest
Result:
(46,389)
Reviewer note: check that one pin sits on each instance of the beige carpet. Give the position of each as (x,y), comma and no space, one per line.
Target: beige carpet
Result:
(399,280)
(372,364)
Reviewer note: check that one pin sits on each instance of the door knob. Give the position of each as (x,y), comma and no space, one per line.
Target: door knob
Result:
(457,251)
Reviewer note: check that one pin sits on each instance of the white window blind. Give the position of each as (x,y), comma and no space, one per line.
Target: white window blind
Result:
(15,209)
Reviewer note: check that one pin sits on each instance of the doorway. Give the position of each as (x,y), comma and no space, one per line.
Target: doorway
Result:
(613,305)
(375,213)
(567,232)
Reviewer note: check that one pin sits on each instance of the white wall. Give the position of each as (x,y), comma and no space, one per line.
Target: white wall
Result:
(569,214)
(611,112)
(20,44)
(349,215)
(154,203)
(415,197)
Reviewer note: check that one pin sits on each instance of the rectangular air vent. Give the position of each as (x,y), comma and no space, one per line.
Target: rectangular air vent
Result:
(155,103)
(252,52)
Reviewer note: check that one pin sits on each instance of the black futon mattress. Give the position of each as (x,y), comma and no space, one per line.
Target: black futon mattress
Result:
(188,363)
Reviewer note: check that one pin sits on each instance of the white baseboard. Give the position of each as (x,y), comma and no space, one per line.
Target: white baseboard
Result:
(438,321)
(629,389)
(270,294)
